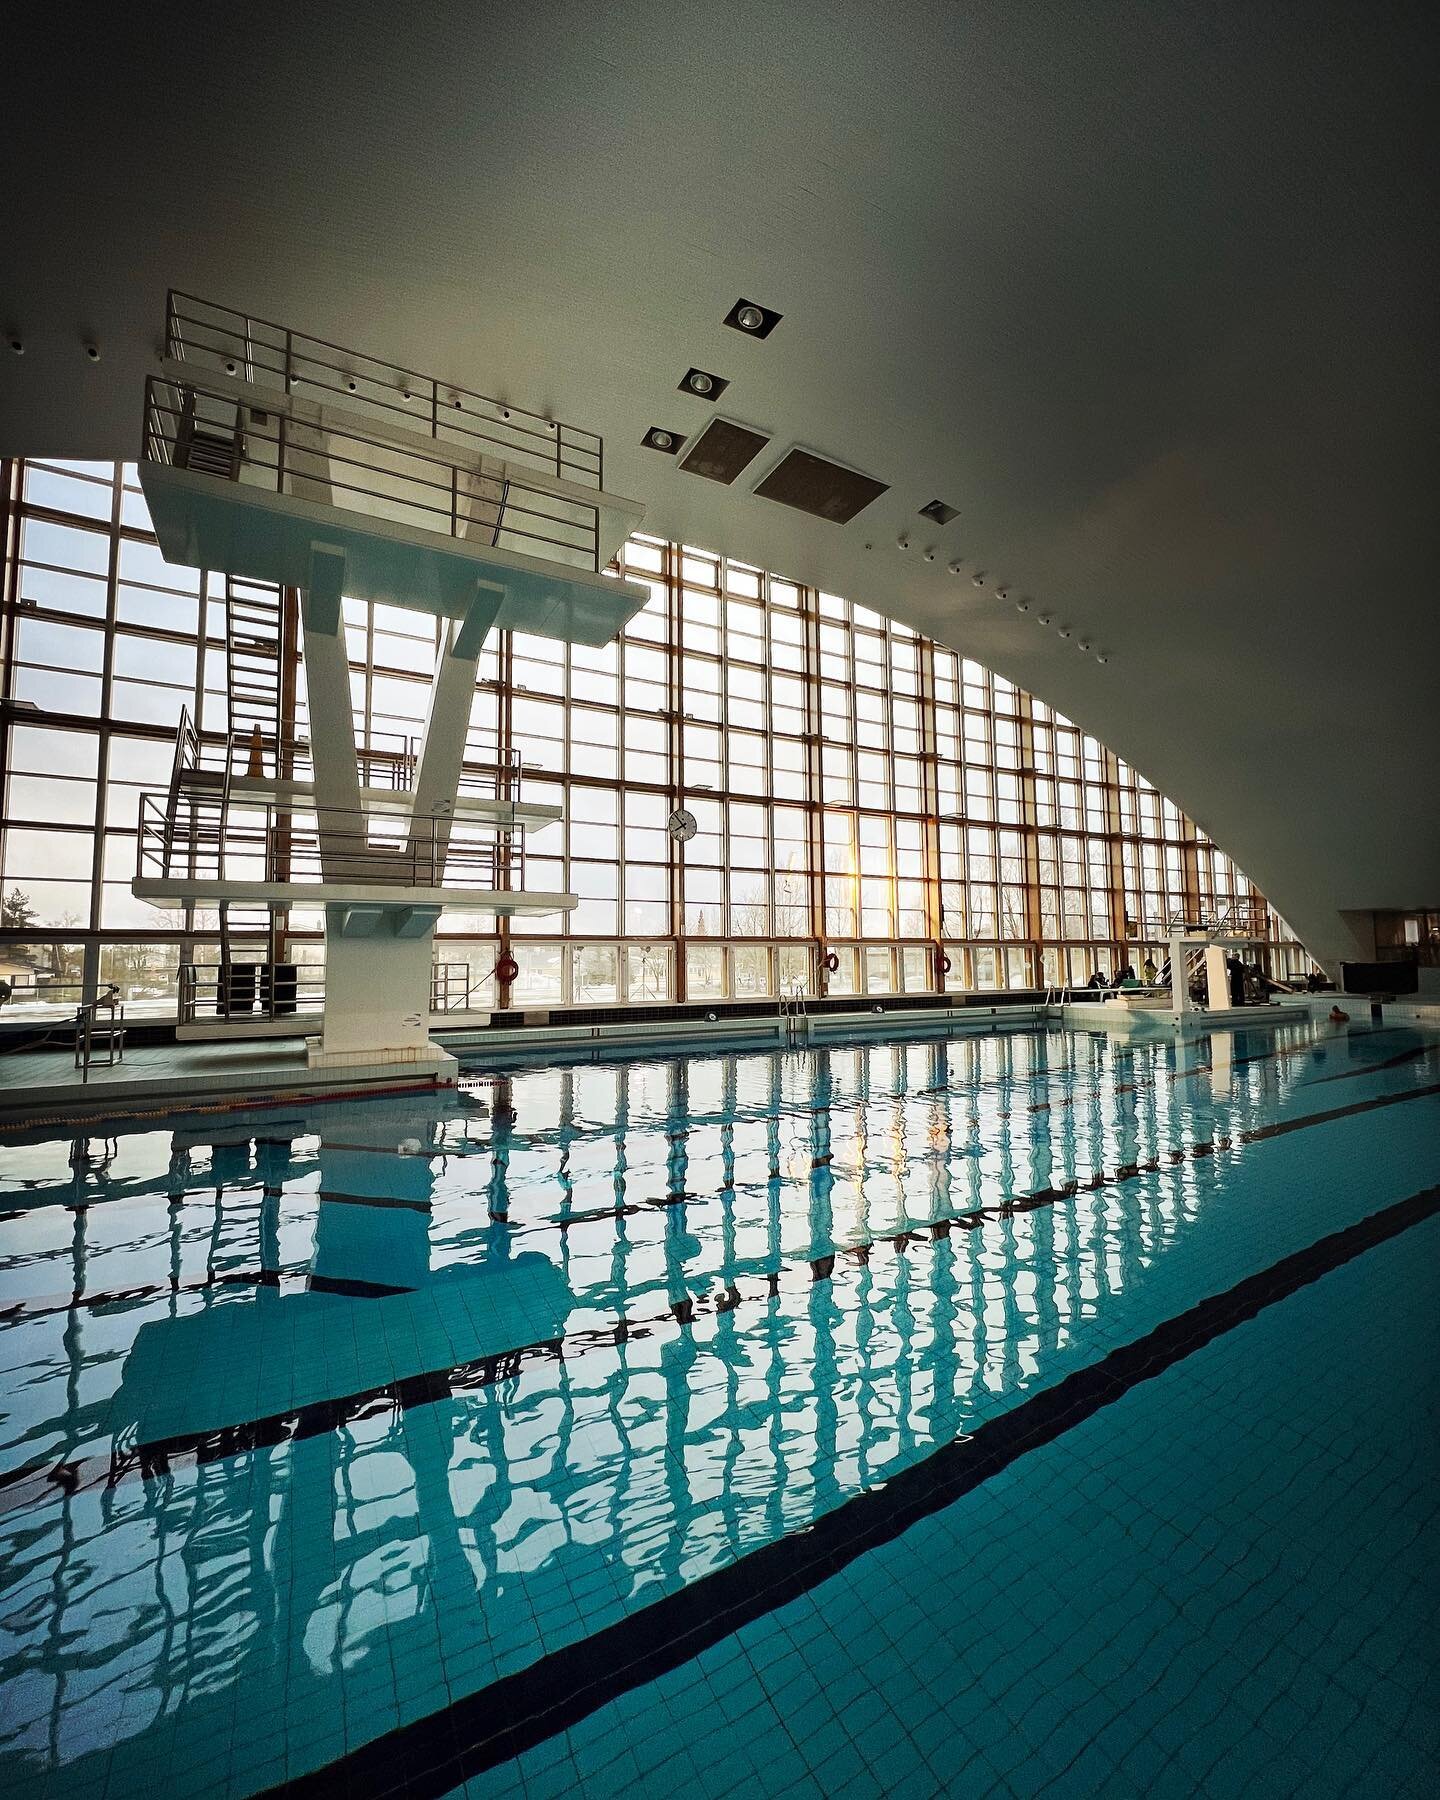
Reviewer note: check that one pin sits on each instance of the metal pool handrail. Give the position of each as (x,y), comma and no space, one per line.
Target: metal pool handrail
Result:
(111,1035)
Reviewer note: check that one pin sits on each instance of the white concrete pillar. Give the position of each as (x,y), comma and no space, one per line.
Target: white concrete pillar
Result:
(447,722)
(1217,976)
(377,988)
(1179,976)
(332,720)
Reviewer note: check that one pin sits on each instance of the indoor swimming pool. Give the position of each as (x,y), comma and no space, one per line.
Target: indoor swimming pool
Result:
(1029,1412)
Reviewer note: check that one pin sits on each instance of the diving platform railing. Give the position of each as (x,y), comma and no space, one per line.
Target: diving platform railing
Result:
(291,996)
(257,351)
(1247,919)
(386,760)
(229,435)
(283,461)
(261,844)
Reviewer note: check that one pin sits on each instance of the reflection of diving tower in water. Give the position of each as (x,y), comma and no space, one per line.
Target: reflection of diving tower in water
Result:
(277,458)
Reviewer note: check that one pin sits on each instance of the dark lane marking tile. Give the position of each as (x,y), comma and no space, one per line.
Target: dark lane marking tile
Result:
(1414,1054)
(430,1756)
(289,1281)
(334,1195)
(351,1287)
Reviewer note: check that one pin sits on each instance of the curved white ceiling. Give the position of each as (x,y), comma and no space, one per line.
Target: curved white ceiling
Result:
(1143,289)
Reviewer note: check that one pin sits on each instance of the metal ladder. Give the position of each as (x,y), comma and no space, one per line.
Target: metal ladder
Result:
(793,1017)
(196,834)
(253,633)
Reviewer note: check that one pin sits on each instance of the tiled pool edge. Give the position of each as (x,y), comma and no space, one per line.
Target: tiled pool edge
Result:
(432,1755)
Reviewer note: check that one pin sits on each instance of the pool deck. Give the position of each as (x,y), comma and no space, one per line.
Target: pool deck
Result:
(40,1084)
(1115,1016)
(37,1085)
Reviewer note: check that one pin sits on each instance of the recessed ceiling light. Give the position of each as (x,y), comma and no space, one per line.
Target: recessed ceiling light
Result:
(17,345)
(955,568)
(979,578)
(658,438)
(1064,630)
(753,320)
(1042,618)
(939,512)
(1102,656)
(703,383)
(1022,605)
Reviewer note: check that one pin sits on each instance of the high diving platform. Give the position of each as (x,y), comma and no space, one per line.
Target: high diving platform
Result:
(292,465)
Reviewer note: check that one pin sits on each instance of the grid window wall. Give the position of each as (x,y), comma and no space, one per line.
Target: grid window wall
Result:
(864,798)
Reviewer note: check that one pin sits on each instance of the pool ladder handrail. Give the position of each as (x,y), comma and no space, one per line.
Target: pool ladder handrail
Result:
(1057,994)
(93,1038)
(793,1014)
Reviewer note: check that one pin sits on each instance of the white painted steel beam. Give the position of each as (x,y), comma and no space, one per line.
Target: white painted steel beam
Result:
(163,891)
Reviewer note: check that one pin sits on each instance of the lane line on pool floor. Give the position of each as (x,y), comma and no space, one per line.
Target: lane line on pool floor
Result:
(432,1755)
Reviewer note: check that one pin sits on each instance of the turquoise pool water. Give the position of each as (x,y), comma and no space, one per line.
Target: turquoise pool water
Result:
(1021,1413)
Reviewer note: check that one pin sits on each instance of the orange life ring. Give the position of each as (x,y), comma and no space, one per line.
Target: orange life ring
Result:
(832,961)
(506,970)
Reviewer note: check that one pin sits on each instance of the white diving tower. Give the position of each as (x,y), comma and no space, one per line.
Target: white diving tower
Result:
(287,462)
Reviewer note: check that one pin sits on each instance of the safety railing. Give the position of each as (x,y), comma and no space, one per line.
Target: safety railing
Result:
(1247,918)
(189,426)
(386,760)
(267,843)
(258,351)
(452,988)
(247,991)
(1243,918)
(261,991)
(491,770)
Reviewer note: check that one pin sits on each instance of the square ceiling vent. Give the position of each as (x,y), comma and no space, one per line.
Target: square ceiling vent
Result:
(826,490)
(722,450)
